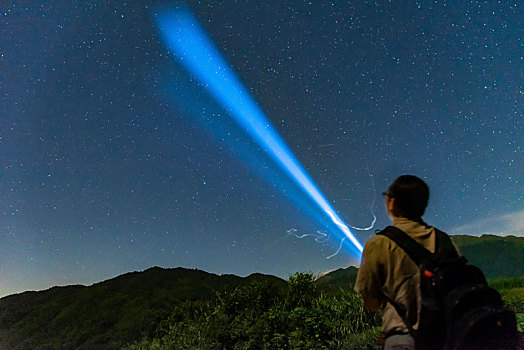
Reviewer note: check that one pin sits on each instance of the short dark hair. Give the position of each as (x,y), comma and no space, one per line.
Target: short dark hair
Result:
(411,196)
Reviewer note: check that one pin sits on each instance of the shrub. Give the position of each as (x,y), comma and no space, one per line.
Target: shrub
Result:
(258,316)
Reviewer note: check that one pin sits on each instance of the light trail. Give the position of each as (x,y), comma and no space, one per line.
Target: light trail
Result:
(339,248)
(371,208)
(320,236)
(185,38)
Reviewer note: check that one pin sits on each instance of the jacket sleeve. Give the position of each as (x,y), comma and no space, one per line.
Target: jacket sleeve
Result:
(370,277)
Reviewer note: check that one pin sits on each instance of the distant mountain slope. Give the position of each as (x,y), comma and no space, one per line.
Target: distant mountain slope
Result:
(113,312)
(495,255)
(341,278)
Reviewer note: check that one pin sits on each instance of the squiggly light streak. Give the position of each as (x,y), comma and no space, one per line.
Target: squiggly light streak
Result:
(188,41)
(338,250)
(371,207)
(320,236)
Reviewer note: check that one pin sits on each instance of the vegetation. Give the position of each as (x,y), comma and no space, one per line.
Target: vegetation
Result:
(110,314)
(259,316)
(497,256)
(512,291)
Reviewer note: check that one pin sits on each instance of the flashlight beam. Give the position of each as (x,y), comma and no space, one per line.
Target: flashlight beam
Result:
(185,38)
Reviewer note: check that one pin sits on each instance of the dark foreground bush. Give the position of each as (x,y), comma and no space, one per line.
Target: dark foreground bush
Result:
(258,316)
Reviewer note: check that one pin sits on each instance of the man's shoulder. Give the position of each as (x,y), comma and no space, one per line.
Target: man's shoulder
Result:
(378,240)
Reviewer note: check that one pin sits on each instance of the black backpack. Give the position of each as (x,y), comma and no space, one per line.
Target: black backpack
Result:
(459,310)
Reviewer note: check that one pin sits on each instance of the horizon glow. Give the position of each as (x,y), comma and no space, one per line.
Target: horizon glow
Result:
(187,40)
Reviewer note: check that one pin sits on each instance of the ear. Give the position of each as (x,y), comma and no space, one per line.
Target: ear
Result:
(391,205)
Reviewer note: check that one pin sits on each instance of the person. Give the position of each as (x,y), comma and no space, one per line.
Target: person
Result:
(386,271)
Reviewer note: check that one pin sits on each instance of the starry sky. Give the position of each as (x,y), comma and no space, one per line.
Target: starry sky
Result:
(114,159)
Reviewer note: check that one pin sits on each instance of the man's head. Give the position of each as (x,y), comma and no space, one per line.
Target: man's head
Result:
(407,197)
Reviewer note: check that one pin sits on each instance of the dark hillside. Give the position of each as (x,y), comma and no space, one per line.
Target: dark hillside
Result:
(495,255)
(114,312)
(338,279)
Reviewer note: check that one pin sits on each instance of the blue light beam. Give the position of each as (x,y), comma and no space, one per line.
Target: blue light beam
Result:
(183,36)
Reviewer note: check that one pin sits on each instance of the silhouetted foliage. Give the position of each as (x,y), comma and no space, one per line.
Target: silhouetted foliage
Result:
(110,314)
(259,316)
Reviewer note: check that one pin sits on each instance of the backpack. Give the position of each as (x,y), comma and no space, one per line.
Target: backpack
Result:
(459,310)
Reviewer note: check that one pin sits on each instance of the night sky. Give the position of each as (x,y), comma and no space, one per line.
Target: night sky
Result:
(114,159)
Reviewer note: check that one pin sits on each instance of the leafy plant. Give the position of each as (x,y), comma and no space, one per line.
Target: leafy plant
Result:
(260,316)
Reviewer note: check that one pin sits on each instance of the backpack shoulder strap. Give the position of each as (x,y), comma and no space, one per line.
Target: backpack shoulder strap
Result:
(414,250)
(445,246)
